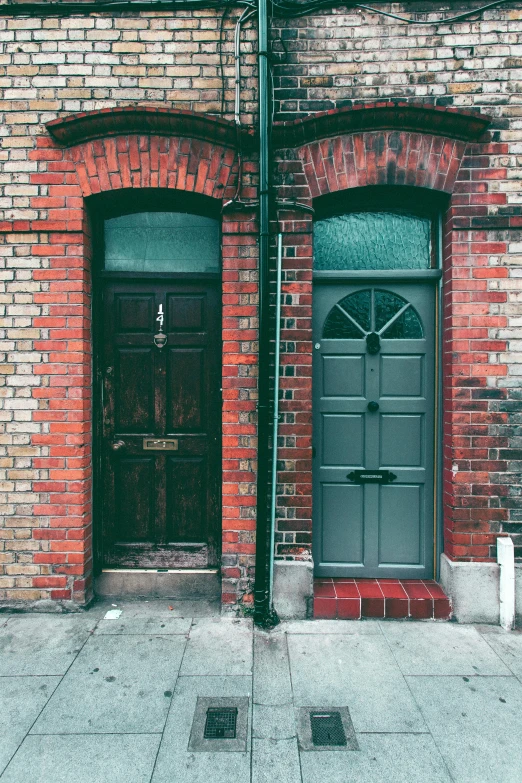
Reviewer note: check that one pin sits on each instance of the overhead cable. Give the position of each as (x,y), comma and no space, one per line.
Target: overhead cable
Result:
(295,9)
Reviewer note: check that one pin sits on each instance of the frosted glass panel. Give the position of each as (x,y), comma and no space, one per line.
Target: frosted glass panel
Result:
(372,240)
(162,242)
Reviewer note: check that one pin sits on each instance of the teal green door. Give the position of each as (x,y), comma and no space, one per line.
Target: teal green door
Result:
(374,400)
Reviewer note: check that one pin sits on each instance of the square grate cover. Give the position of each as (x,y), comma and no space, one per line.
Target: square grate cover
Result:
(326,728)
(219,724)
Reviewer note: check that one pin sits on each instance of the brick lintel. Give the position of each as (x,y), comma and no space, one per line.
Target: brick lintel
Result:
(148,120)
(389,115)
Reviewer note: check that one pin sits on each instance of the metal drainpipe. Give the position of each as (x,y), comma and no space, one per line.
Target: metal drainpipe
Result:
(261,607)
(275,425)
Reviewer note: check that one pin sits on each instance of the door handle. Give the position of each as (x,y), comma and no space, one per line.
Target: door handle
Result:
(373,406)
(118,445)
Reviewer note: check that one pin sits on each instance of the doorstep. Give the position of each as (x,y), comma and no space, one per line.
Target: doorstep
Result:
(188,584)
(354,599)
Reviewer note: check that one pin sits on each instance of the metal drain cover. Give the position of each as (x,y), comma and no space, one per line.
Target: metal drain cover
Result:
(219,724)
(326,728)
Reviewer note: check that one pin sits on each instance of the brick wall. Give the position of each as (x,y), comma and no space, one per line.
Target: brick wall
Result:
(51,67)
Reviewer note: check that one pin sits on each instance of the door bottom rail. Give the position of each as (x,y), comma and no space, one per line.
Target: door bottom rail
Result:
(357,599)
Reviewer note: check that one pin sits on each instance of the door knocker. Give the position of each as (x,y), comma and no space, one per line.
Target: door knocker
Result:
(160,339)
(373,343)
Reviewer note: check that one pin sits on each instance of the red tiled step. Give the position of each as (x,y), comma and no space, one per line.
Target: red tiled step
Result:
(352,599)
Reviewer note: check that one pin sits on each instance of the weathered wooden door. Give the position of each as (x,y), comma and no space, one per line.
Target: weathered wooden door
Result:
(160,441)
(374,396)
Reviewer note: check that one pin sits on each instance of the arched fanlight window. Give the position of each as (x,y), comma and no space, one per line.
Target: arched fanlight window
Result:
(162,242)
(373,312)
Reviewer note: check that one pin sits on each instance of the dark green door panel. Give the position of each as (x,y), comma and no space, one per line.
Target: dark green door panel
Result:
(374,399)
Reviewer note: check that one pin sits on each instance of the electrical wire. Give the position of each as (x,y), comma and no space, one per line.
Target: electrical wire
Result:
(236,199)
(221,56)
(99,6)
(446,20)
(285,8)
(291,9)
(271,87)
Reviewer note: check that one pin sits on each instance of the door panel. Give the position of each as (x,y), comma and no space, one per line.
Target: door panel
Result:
(343,439)
(135,313)
(343,376)
(374,389)
(401,376)
(134,389)
(343,543)
(185,388)
(402,440)
(186,507)
(185,313)
(160,506)
(134,486)
(400,525)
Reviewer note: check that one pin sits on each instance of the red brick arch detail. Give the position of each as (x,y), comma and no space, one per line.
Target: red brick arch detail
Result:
(381,158)
(153,162)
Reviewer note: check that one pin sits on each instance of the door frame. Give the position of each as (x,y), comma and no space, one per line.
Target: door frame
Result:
(100,208)
(429,277)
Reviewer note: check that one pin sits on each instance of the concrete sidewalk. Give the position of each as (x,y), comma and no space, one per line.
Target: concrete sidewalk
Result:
(91,700)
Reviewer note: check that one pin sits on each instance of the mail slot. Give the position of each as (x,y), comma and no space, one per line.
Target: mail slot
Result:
(371,476)
(167,444)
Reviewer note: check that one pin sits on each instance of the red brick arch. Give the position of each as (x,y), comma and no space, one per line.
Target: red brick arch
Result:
(381,158)
(153,162)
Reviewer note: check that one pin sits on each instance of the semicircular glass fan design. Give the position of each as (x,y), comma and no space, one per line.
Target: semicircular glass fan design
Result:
(372,315)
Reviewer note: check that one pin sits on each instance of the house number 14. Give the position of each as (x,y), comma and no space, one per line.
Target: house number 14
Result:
(160,338)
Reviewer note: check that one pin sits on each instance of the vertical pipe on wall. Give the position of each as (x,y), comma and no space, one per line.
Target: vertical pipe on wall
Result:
(273,488)
(506,561)
(438,542)
(261,608)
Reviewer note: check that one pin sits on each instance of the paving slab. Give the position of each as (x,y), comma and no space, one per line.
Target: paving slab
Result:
(143,626)
(332,627)
(358,672)
(275,760)
(506,644)
(271,669)
(42,644)
(441,649)
(219,646)
(158,607)
(389,758)
(276,722)
(117,684)
(21,701)
(476,723)
(175,762)
(124,758)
